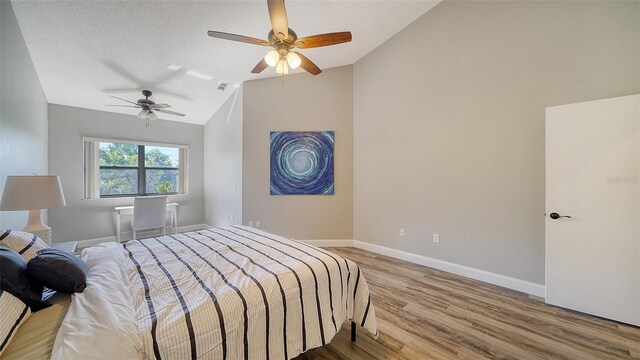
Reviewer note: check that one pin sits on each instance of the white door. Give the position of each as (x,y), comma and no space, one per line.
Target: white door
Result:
(593,176)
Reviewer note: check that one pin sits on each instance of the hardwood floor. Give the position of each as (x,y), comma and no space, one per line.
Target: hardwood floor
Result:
(430,314)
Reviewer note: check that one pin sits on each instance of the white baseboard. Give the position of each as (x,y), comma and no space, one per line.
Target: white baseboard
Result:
(330,243)
(524,286)
(508,282)
(127,235)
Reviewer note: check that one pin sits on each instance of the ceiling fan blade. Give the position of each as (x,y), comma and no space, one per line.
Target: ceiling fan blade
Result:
(160,106)
(278,16)
(156,91)
(239,38)
(168,112)
(119,98)
(129,106)
(308,65)
(259,67)
(323,40)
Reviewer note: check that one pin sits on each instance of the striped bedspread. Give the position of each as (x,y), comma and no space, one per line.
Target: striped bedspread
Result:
(223,293)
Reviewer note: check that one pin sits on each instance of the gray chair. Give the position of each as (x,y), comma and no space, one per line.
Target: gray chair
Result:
(149,212)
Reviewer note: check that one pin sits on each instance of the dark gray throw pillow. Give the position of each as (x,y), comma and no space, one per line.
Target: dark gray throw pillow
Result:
(15,279)
(59,270)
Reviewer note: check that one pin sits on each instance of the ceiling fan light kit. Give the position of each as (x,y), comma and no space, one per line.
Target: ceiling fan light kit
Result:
(272,58)
(284,40)
(142,115)
(293,60)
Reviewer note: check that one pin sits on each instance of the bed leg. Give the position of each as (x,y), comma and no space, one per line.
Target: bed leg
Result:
(353,331)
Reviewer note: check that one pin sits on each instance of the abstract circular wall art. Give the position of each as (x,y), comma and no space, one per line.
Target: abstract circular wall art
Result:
(302,162)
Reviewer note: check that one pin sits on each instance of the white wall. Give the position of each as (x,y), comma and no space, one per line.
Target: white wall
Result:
(303,103)
(23,112)
(90,219)
(449,123)
(223,164)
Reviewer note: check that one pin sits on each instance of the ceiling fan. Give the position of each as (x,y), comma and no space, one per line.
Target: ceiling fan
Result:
(148,107)
(284,40)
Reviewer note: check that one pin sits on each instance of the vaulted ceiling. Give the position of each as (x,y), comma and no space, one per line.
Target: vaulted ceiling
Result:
(85,51)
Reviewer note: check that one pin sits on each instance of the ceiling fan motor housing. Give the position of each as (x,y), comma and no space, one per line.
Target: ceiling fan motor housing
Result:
(145,103)
(283,44)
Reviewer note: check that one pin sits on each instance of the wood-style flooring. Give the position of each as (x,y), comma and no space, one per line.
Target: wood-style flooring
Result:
(425,313)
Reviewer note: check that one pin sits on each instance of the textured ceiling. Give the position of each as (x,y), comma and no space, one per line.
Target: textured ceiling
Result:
(84,51)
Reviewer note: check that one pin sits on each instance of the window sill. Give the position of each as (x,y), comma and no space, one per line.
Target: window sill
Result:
(133,196)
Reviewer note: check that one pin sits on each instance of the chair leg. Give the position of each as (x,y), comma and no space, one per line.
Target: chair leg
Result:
(164,231)
(353,331)
(134,234)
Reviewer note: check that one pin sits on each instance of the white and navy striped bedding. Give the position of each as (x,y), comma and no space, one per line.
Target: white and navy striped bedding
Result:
(24,243)
(13,313)
(224,293)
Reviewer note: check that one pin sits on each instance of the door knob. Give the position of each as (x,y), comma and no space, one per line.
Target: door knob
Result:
(556,216)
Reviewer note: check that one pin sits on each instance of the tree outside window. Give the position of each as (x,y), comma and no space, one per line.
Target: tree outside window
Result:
(133,170)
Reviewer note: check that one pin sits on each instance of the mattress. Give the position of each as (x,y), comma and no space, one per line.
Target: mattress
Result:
(223,293)
(34,339)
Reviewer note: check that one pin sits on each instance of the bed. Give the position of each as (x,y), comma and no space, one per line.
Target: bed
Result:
(34,339)
(223,293)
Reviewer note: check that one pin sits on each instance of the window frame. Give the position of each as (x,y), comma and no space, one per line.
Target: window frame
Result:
(141,169)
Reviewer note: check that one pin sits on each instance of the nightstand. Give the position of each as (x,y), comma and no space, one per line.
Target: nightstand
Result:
(70,246)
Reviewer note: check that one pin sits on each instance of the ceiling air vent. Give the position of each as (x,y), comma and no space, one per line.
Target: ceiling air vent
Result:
(223,85)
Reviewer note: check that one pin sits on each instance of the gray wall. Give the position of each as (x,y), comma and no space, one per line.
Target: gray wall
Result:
(449,119)
(90,219)
(223,164)
(304,102)
(23,112)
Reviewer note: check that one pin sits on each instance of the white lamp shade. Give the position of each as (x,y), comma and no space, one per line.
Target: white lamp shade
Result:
(293,60)
(142,115)
(32,193)
(272,58)
(282,67)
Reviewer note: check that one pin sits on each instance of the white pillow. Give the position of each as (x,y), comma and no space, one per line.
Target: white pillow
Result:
(13,313)
(24,243)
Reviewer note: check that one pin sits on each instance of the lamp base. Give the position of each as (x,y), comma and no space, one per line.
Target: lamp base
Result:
(36,227)
(44,235)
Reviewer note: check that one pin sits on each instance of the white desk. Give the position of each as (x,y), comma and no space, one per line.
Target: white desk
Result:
(128,210)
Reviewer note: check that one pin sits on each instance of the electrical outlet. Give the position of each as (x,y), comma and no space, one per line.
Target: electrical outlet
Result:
(436,238)
(251,223)
(401,231)
(258,223)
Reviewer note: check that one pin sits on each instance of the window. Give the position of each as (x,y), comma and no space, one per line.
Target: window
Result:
(118,168)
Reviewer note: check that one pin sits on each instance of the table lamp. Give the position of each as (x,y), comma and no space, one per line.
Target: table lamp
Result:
(33,193)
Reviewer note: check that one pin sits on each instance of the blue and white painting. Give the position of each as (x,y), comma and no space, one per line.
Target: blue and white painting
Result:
(302,162)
